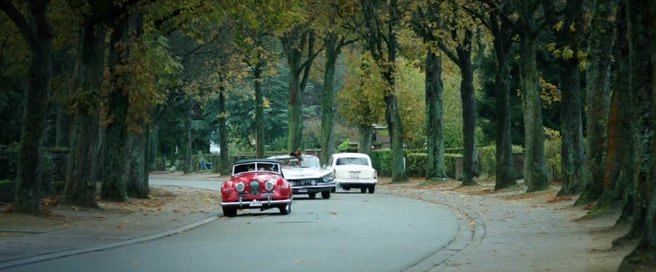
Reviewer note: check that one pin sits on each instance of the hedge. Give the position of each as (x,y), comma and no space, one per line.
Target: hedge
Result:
(415,163)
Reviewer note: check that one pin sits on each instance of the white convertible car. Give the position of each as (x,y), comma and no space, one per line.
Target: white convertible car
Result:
(306,175)
(353,170)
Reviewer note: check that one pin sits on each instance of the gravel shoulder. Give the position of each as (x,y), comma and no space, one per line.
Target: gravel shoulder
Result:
(517,231)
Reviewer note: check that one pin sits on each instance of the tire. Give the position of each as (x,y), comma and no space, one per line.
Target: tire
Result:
(325,194)
(229,211)
(312,195)
(286,209)
(333,190)
(346,188)
(363,190)
(372,188)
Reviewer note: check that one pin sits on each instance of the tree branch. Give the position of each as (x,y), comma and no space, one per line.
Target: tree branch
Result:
(449,53)
(19,20)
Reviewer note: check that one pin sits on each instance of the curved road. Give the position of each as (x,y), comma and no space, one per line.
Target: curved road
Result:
(348,232)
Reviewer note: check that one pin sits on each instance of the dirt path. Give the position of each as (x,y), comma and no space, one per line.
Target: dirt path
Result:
(519,231)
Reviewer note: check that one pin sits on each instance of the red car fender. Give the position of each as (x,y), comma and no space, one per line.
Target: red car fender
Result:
(228,191)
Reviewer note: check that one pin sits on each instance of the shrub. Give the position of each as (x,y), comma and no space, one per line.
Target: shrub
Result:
(7,190)
(416,164)
(344,146)
(381,160)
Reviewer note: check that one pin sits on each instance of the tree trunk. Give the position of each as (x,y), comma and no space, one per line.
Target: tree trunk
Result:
(364,141)
(80,187)
(435,165)
(470,156)
(136,174)
(153,146)
(115,137)
(505,173)
(535,167)
(295,114)
(294,44)
(223,134)
(597,101)
(572,156)
(392,115)
(38,34)
(619,176)
(62,128)
(641,58)
(259,113)
(328,99)
(187,166)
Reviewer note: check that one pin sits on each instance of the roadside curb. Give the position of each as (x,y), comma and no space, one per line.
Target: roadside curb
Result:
(71,252)
(471,231)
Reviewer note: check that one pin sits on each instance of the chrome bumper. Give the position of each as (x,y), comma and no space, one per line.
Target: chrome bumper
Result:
(267,202)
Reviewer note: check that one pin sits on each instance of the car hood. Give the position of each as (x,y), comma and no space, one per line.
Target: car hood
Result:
(304,173)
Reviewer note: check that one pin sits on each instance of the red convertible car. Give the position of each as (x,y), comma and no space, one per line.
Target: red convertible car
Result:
(256,184)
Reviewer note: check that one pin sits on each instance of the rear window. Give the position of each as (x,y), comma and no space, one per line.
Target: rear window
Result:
(350,161)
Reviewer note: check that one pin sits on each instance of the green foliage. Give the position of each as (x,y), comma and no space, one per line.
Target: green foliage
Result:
(487,156)
(552,153)
(412,108)
(361,100)
(416,164)
(453,134)
(381,160)
(344,146)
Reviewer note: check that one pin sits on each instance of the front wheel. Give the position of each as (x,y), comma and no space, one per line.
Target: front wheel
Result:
(312,195)
(285,209)
(372,188)
(363,190)
(325,194)
(229,211)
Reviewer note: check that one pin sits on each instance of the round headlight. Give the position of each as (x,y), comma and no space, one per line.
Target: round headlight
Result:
(269,185)
(240,187)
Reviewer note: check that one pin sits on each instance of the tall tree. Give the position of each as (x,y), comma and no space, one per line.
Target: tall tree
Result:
(461,35)
(568,32)
(37,32)
(425,24)
(640,34)
(528,28)
(334,39)
(495,17)
(381,21)
(80,186)
(298,45)
(598,103)
(114,144)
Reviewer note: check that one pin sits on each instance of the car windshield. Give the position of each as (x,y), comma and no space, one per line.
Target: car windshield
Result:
(306,162)
(352,160)
(254,166)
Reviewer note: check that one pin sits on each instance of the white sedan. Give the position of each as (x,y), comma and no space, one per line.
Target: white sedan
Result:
(353,170)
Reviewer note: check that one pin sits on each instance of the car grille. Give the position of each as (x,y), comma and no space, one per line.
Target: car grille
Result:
(305,182)
(255,187)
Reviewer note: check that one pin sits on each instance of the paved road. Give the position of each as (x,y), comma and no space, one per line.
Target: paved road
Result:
(349,232)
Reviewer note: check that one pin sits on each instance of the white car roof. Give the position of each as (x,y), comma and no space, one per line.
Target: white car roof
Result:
(350,155)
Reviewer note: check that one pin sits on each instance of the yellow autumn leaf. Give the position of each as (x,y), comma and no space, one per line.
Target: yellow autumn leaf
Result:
(558,26)
(551,47)
(567,53)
